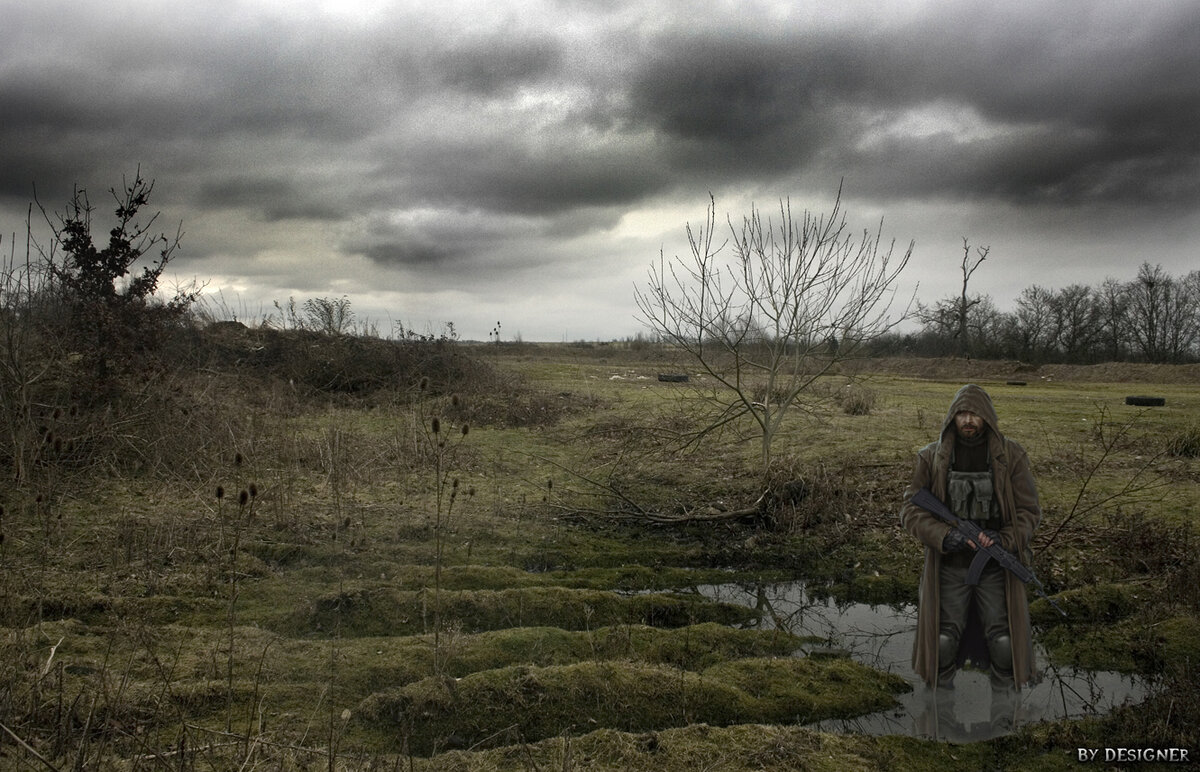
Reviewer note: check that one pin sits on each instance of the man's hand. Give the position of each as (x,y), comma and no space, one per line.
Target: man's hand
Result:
(986,539)
(955,541)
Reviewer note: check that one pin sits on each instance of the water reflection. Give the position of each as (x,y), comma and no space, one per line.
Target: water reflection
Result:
(882,637)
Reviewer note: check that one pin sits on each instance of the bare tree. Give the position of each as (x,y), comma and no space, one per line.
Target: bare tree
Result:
(1162,316)
(952,318)
(1077,321)
(1113,304)
(965,303)
(767,318)
(1181,320)
(1035,323)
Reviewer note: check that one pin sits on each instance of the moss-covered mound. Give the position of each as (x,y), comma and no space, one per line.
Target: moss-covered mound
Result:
(740,748)
(529,703)
(1106,629)
(376,611)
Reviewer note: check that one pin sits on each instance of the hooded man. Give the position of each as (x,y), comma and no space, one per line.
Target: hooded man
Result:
(984,477)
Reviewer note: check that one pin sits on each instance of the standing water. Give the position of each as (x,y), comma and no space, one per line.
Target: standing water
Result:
(882,637)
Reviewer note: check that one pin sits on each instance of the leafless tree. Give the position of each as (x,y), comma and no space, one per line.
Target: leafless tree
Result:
(768,317)
(1035,323)
(1162,315)
(953,318)
(1113,304)
(1077,321)
(965,303)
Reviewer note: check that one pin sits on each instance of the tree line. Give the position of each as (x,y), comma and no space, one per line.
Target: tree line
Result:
(1155,317)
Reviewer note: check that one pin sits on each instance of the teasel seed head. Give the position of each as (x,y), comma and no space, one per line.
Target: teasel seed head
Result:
(436,425)
(237,459)
(220,491)
(253,491)
(466,428)
(454,400)
(243,497)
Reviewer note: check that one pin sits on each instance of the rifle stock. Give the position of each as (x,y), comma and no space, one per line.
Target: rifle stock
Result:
(925,499)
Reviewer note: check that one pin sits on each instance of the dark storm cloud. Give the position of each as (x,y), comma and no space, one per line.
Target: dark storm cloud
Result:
(271,199)
(1073,110)
(494,66)
(502,134)
(507,177)
(409,253)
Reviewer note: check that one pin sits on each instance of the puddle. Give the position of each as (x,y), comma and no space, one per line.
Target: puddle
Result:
(882,636)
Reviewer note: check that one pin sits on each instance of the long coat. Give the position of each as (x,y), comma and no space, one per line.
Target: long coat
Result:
(1016,493)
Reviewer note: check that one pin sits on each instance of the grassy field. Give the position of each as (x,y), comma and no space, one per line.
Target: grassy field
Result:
(493,570)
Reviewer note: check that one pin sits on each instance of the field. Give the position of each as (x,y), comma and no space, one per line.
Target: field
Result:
(490,562)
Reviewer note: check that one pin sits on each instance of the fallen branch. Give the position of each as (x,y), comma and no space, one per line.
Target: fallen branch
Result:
(28,748)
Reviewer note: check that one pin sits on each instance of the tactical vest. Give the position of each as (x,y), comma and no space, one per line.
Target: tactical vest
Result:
(973,497)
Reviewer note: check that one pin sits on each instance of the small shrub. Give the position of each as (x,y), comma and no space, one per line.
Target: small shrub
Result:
(856,399)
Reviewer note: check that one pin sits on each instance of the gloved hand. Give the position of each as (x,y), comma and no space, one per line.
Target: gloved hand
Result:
(954,542)
(994,536)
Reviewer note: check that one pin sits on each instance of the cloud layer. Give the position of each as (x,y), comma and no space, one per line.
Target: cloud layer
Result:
(392,151)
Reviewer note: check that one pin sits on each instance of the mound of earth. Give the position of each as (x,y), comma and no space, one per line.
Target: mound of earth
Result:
(960,369)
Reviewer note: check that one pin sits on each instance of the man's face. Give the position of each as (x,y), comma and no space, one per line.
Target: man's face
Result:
(968,424)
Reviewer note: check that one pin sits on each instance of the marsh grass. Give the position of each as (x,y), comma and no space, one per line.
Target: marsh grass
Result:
(131,595)
(1185,442)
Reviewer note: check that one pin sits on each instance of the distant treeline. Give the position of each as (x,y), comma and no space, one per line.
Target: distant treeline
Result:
(1153,318)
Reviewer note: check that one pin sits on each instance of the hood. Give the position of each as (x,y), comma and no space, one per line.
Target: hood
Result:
(977,401)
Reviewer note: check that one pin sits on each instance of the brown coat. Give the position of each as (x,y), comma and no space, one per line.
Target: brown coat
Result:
(1016,492)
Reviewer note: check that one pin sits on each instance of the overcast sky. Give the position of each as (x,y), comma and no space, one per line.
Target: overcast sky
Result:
(525,162)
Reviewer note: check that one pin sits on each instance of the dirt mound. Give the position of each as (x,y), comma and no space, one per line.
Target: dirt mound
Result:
(958,369)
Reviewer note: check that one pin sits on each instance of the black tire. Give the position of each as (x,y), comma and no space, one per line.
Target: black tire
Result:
(1146,401)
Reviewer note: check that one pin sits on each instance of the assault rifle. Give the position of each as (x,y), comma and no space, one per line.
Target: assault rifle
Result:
(925,499)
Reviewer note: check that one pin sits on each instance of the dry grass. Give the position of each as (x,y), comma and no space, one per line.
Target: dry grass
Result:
(117,585)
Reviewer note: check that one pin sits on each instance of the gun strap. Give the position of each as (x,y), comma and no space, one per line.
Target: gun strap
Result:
(977,565)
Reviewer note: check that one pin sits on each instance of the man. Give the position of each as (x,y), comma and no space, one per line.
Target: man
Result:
(985,477)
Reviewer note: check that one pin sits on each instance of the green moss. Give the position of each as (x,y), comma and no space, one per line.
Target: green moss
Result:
(374,610)
(1105,629)
(498,706)
(738,748)
(1099,603)
(1172,645)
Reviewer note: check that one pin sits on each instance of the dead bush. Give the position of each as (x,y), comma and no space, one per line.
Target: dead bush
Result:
(1185,442)
(856,399)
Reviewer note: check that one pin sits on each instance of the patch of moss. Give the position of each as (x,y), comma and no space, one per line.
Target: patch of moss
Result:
(529,703)
(1104,629)
(1101,603)
(1173,644)
(380,610)
(738,748)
